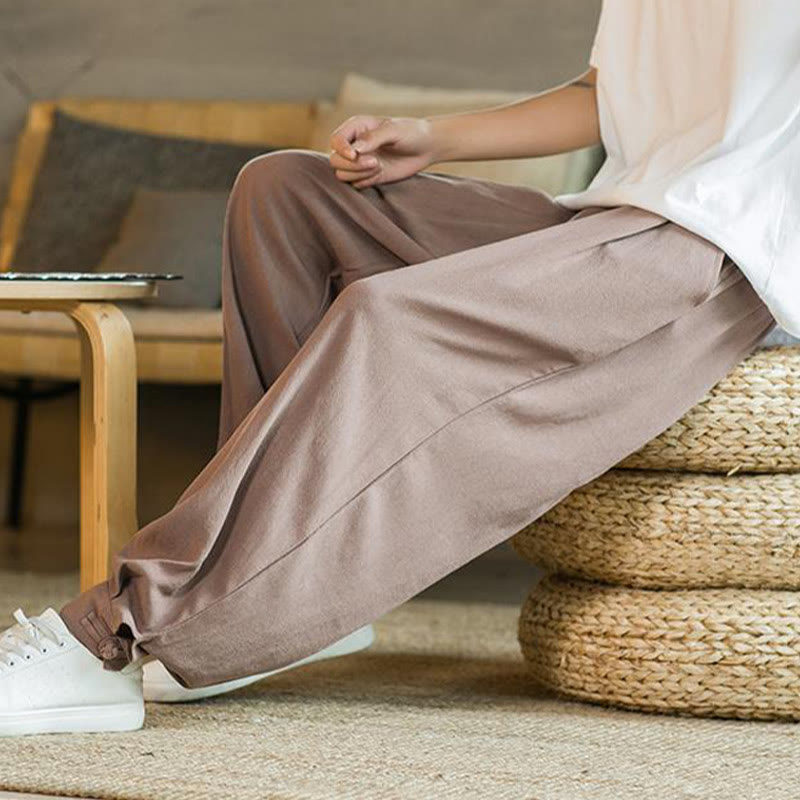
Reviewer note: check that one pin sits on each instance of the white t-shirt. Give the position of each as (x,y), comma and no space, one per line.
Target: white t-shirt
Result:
(699,113)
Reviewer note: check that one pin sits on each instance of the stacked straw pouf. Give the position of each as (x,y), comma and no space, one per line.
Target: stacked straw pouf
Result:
(673,580)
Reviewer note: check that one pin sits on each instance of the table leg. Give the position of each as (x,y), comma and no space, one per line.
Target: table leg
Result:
(108,436)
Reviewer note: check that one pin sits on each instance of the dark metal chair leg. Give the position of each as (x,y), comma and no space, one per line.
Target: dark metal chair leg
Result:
(19,448)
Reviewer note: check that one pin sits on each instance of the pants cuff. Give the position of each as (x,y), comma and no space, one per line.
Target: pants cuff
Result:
(88,618)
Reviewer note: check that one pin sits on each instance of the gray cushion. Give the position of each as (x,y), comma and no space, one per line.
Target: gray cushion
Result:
(178,232)
(87,179)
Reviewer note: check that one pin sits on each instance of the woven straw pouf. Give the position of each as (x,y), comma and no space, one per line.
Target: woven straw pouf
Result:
(673,580)
(673,530)
(703,652)
(749,421)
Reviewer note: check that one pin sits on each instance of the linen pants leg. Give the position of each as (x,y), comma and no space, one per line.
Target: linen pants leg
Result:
(295,236)
(412,418)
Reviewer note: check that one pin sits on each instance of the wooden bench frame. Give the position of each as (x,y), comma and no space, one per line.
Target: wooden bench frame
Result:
(36,355)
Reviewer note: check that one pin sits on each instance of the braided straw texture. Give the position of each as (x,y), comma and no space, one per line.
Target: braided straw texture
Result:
(749,421)
(668,530)
(703,652)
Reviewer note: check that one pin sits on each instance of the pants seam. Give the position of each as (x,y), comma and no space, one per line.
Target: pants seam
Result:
(529,381)
(371,482)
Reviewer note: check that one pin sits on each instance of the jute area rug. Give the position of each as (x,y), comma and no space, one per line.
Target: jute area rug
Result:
(440,707)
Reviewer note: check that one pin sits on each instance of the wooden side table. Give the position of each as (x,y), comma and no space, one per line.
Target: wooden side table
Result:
(108,516)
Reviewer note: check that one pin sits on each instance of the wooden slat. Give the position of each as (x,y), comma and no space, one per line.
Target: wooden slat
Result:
(56,357)
(30,150)
(242,122)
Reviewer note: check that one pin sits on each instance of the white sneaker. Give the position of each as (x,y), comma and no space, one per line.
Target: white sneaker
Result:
(50,683)
(161,687)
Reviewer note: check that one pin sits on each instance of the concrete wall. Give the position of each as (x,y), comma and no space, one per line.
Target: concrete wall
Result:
(276,49)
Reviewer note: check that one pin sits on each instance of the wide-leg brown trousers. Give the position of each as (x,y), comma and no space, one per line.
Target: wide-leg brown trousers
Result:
(412,373)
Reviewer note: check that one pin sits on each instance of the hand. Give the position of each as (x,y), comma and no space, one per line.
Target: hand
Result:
(368,150)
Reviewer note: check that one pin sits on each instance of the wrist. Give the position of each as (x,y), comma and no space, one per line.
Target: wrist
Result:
(443,142)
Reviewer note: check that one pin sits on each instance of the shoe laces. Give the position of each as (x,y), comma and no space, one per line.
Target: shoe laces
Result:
(29,633)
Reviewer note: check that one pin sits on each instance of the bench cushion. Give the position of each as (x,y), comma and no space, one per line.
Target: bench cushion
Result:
(178,232)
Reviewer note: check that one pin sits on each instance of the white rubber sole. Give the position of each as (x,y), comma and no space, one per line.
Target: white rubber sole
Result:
(160,687)
(79,719)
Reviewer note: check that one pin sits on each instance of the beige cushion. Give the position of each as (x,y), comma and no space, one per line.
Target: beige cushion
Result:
(357,88)
(147,323)
(359,94)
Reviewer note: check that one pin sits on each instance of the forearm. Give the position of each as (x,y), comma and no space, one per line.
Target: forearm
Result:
(553,121)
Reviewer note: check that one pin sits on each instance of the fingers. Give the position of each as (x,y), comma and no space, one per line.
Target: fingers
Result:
(361,162)
(350,130)
(353,144)
(363,167)
(341,145)
(353,171)
(358,179)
